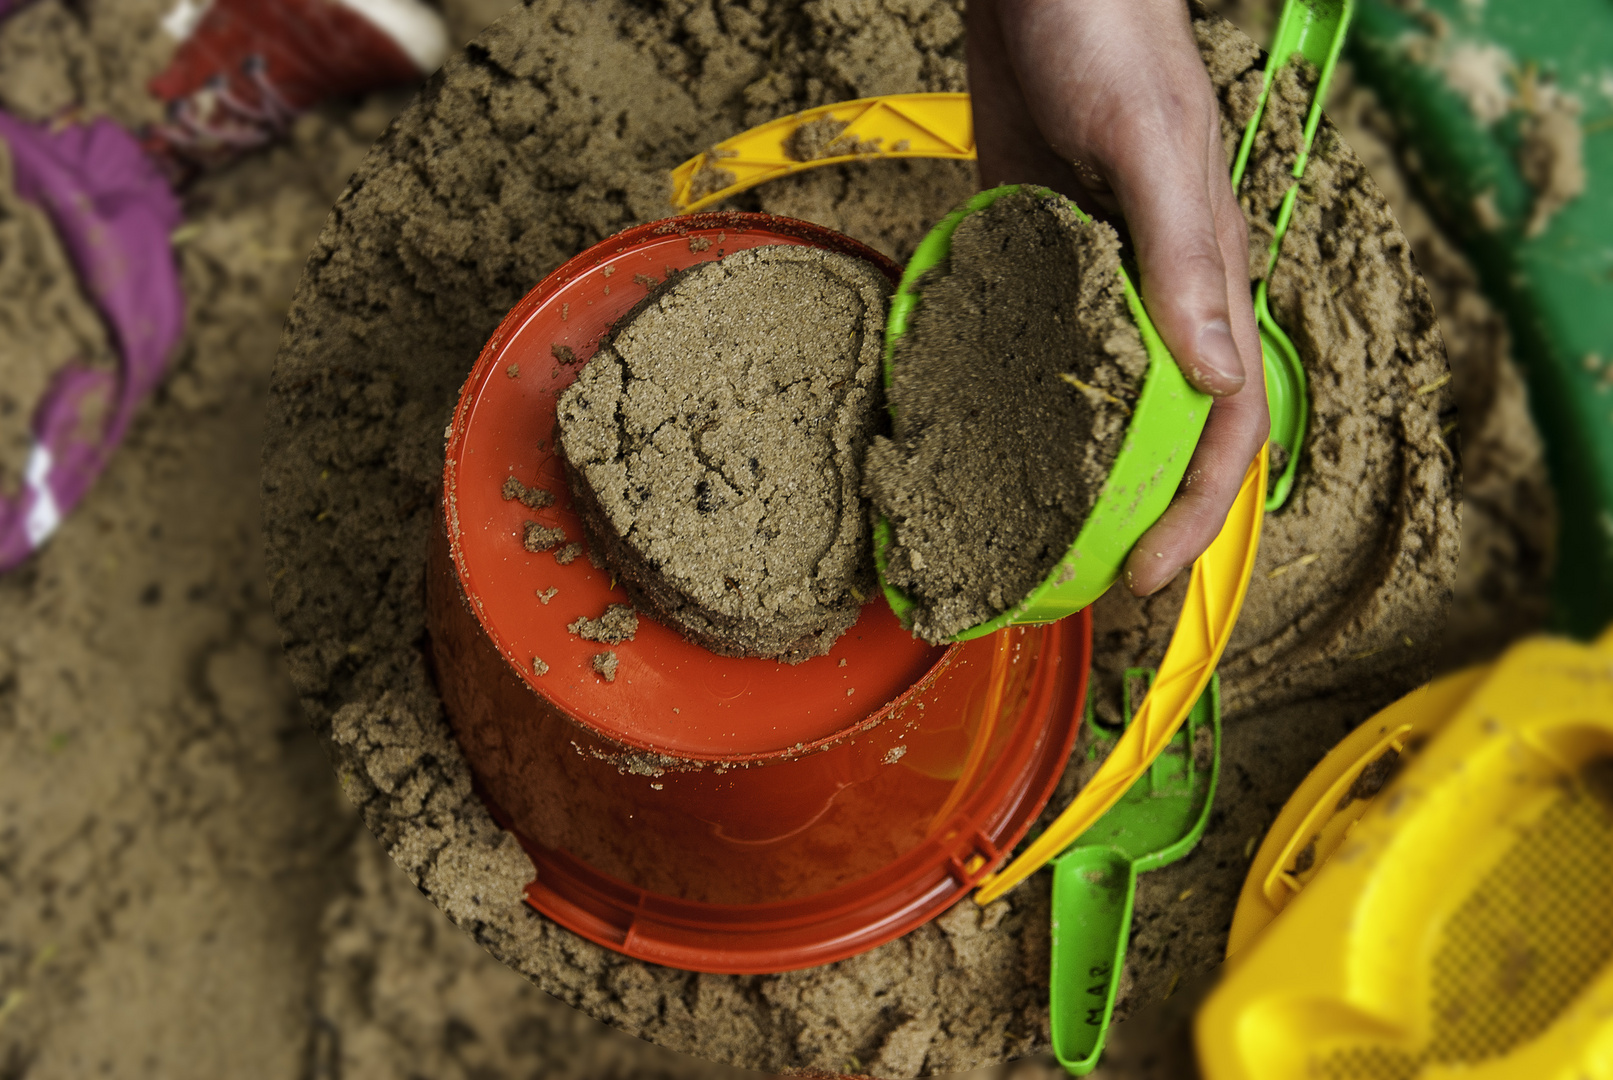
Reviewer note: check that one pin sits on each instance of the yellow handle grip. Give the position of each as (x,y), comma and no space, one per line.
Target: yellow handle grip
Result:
(897,125)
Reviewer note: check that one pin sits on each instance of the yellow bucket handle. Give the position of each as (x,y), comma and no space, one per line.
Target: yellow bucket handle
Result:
(894,126)
(940,126)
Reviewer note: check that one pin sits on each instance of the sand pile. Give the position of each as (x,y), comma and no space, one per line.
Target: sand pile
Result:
(1508,511)
(715,446)
(184,890)
(467,202)
(179,850)
(554,130)
(1014,384)
(171,830)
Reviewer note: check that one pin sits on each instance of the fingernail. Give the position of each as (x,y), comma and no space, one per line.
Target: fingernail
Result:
(1218,352)
(1164,581)
(1131,578)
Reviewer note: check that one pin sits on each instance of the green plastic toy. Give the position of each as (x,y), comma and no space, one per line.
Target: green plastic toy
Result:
(1170,414)
(1315,30)
(1155,823)
(1164,429)
(1553,283)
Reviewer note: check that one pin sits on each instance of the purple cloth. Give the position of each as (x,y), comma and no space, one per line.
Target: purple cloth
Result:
(8,6)
(114,212)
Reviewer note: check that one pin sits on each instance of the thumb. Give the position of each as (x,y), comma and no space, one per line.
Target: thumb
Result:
(1191,244)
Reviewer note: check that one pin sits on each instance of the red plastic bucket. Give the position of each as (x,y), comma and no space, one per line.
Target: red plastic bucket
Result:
(705,812)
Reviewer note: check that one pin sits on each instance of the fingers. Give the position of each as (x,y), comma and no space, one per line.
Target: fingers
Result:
(1118,86)
(1192,258)
(1189,235)
(1237,427)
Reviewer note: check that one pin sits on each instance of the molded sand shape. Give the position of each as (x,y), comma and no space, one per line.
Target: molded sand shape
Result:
(714,444)
(716,813)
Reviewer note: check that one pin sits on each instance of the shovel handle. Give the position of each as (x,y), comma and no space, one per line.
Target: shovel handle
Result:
(1314,30)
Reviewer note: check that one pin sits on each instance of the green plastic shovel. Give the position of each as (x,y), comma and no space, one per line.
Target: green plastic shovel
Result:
(1155,823)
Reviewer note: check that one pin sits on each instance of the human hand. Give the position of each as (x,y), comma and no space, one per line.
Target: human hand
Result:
(1108,102)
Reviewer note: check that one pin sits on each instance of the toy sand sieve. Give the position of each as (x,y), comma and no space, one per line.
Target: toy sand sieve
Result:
(1433,899)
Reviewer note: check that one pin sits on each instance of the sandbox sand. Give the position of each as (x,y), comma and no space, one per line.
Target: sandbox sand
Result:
(462,206)
(1353,582)
(183,891)
(467,203)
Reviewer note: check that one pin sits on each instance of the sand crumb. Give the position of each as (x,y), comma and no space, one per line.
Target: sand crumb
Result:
(618,624)
(541,537)
(1477,71)
(533,498)
(1551,155)
(823,138)
(711,177)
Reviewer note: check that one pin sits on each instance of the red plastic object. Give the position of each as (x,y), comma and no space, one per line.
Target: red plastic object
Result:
(704,812)
(249,68)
